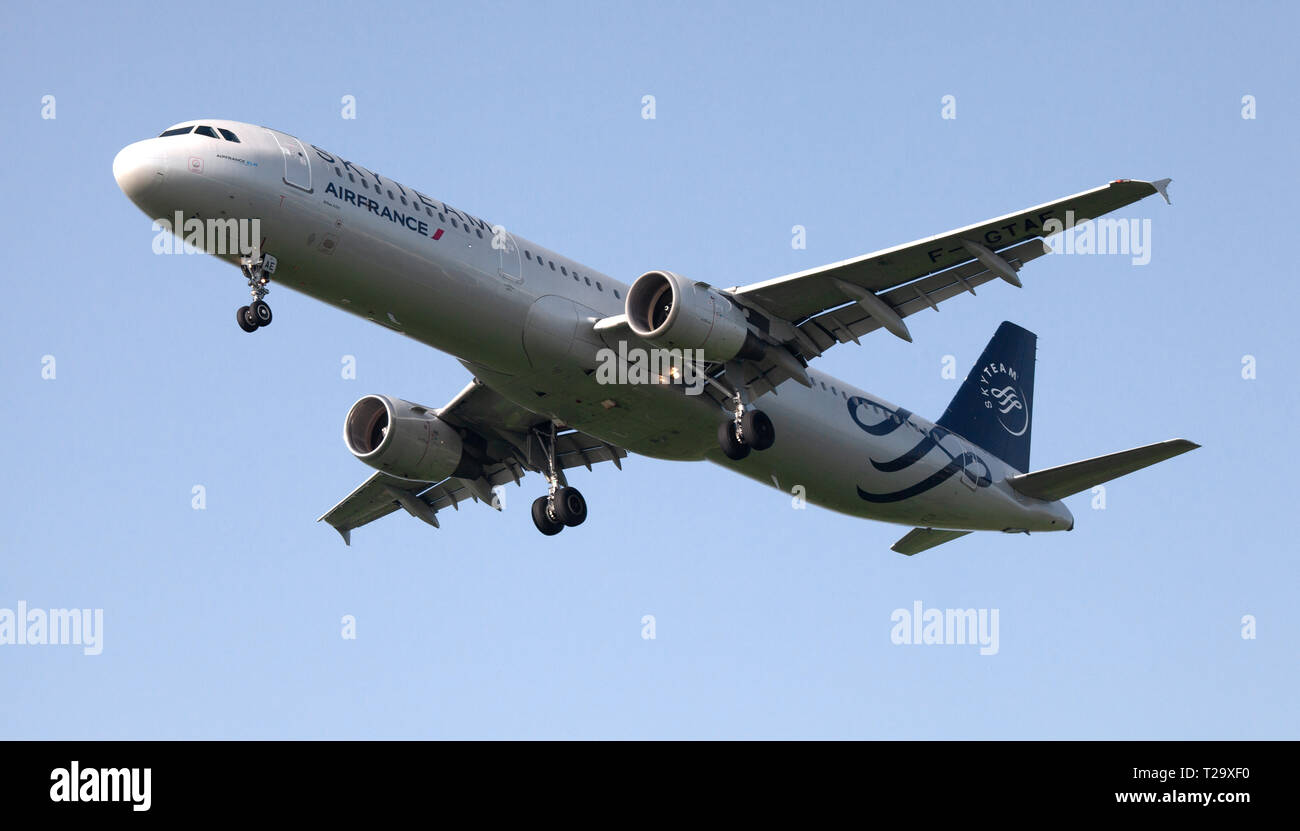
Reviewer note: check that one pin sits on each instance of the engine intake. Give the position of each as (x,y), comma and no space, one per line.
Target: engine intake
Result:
(671,311)
(404,440)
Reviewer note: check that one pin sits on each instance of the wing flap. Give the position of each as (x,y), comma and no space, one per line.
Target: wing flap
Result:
(850,322)
(371,500)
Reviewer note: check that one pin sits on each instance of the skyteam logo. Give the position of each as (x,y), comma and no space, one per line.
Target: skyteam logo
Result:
(1003,396)
(961,461)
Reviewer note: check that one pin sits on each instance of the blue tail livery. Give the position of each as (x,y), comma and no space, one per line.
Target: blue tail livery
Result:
(994,407)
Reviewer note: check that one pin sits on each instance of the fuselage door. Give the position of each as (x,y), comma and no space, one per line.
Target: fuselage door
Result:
(959,451)
(507,254)
(973,468)
(297,166)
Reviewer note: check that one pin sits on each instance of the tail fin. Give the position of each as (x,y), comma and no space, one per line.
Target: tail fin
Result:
(993,407)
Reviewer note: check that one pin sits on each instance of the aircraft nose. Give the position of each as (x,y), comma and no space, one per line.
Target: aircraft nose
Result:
(139,168)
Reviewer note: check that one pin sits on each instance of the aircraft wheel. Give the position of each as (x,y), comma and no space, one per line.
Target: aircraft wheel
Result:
(731,445)
(260,312)
(246,320)
(570,507)
(542,518)
(758,430)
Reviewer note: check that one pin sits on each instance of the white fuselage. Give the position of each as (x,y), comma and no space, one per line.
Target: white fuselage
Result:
(520,316)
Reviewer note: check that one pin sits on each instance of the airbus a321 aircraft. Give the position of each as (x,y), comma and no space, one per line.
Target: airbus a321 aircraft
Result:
(530,324)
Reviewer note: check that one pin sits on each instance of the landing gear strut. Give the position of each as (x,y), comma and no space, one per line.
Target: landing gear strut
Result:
(258,274)
(746,430)
(562,505)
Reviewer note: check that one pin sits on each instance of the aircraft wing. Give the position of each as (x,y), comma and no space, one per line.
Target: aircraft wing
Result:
(840,302)
(504,435)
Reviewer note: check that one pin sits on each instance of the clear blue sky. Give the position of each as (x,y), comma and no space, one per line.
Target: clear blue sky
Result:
(771,622)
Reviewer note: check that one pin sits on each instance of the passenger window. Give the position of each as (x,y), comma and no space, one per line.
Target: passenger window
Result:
(479,231)
(429,211)
(615,294)
(403,200)
(178,131)
(562,271)
(352,179)
(442,219)
(552,262)
(528,254)
(205,130)
(390,194)
(588,279)
(229,136)
(453,223)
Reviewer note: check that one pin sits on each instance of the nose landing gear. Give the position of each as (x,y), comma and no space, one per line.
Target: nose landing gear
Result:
(258,273)
(253,316)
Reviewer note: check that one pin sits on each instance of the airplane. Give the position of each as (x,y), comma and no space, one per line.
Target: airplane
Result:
(730,377)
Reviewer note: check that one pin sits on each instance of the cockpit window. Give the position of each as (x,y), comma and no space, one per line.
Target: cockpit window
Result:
(176,131)
(229,135)
(205,130)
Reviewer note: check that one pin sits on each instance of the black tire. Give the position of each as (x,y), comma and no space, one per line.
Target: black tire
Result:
(246,320)
(732,446)
(542,519)
(260,312)
(570,507)
(758,430)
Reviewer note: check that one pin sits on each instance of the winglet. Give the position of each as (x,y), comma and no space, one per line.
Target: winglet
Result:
(1162,188)
(345,533)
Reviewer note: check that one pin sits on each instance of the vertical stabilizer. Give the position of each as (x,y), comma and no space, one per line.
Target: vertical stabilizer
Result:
(994,407)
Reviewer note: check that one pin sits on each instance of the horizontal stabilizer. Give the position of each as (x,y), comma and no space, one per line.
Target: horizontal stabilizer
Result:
(919,539)
(1059,482)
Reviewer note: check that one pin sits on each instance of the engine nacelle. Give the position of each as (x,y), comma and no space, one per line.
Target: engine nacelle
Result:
(403,439)
(676,313)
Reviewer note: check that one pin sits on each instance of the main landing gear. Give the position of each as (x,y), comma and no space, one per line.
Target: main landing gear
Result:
(562,505)
(258,273)
(566,506)
(746,430)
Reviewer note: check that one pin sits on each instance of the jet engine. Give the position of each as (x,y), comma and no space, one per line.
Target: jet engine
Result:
(404,440)
(673,312)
